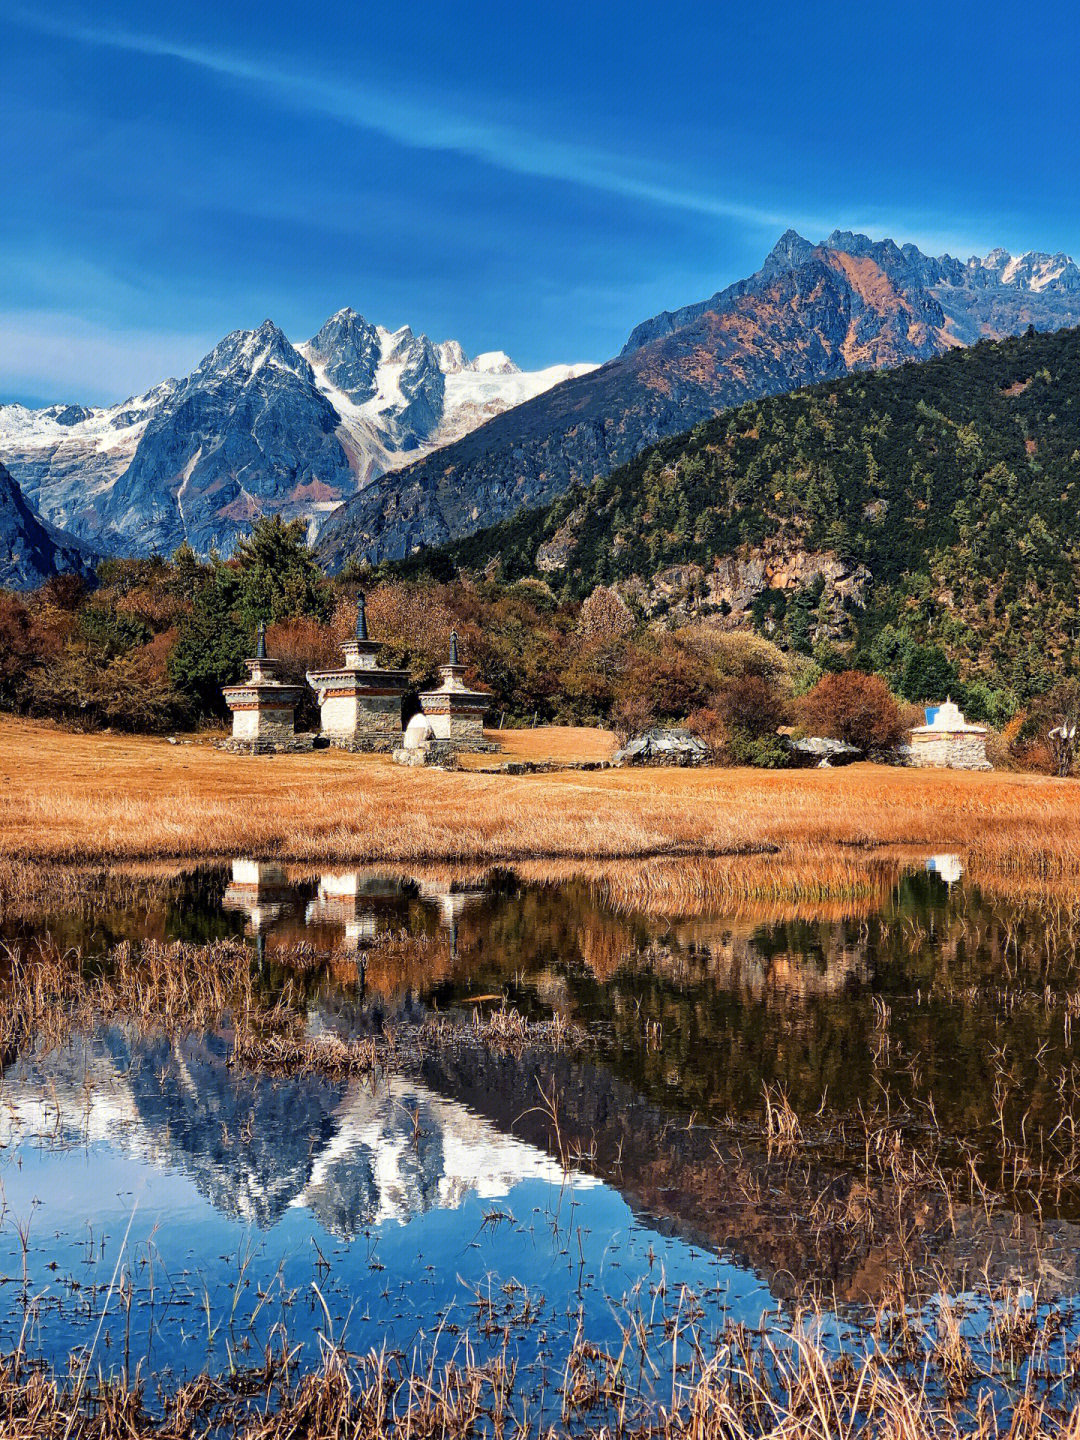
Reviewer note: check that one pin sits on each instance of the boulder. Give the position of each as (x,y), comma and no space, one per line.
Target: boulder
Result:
(663,747)
(817,750)
(438,754)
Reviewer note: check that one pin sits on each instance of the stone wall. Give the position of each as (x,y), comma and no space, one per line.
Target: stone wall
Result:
(463,726)
(292,744)
(949,750)
(467,727)
(365,744)
(362,717)
(275,724)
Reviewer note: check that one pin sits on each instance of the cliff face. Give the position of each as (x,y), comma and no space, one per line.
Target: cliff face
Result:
(247,432)
(30,550)
(811,313)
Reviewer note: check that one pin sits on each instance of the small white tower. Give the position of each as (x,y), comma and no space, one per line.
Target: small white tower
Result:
(453,710)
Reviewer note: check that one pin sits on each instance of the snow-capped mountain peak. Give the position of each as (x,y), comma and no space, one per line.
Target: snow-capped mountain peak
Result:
(1034,270)
(451,356)
(243,354)
(260,424)
(494,362)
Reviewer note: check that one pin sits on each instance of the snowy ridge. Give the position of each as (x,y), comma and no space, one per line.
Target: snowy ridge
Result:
(260,425)
(471,392)
(1032,270)
(66,458)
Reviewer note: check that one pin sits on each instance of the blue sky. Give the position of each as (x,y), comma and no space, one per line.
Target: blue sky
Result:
(534,178)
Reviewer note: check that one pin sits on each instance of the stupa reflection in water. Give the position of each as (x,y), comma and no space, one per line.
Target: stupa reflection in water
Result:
(261,890)
(346,898)
(357,903)
(949,868)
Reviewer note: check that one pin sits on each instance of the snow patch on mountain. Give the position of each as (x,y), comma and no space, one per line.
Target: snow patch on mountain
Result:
(1032,270)
(67,458)
(399,367)
(260,425)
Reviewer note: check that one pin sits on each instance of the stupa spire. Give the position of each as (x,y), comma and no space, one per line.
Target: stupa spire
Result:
(361,617)
(453,648)
(260,641)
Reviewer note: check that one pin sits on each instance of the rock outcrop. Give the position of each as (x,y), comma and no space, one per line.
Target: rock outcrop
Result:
(663,747)
(728,591)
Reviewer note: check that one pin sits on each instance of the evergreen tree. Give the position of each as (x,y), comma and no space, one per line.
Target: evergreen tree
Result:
(212,644)
(279,577)
(928,674)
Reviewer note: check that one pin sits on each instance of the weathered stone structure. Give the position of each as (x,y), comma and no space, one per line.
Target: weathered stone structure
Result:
(454,711)
(263,707)
(821,752)
(360,704)
(663,746)
(948,742)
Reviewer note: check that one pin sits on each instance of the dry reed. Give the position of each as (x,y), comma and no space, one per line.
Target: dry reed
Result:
(103,797)
(754,1386)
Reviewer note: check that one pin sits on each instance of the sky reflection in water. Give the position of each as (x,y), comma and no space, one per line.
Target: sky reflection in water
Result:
(431,1204)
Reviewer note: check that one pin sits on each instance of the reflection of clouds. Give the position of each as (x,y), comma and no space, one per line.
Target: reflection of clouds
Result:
(256,1146)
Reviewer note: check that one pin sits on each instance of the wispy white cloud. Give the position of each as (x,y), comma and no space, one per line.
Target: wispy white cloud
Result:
(423,123)
(65,357)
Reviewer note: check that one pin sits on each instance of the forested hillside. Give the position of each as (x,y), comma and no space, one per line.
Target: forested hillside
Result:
(934,504)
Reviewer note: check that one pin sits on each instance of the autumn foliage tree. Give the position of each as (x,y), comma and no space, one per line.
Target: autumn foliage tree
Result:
(856,708)
(1049,735)
(753,705)
(605,616)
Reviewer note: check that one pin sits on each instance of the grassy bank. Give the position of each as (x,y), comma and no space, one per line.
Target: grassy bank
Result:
(67,796)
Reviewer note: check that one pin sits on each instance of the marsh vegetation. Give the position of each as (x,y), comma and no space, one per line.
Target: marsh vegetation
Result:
(688,1147)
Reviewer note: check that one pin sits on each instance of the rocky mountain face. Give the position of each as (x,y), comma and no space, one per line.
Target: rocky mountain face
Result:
(67,458)
(935,499)
(340,430)
(811,313)
(987,298)
(261,425)
(247,432)
(32,551)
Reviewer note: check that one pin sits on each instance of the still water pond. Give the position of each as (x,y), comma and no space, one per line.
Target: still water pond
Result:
(169,1208)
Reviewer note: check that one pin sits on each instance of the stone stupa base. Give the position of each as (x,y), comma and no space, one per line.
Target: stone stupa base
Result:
(293,745)
(442,752)
(363,744)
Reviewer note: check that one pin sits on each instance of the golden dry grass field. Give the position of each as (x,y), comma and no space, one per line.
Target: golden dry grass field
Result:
(66,796)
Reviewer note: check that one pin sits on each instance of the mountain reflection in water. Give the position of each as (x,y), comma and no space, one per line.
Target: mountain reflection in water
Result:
(355,1153)
(905,994)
